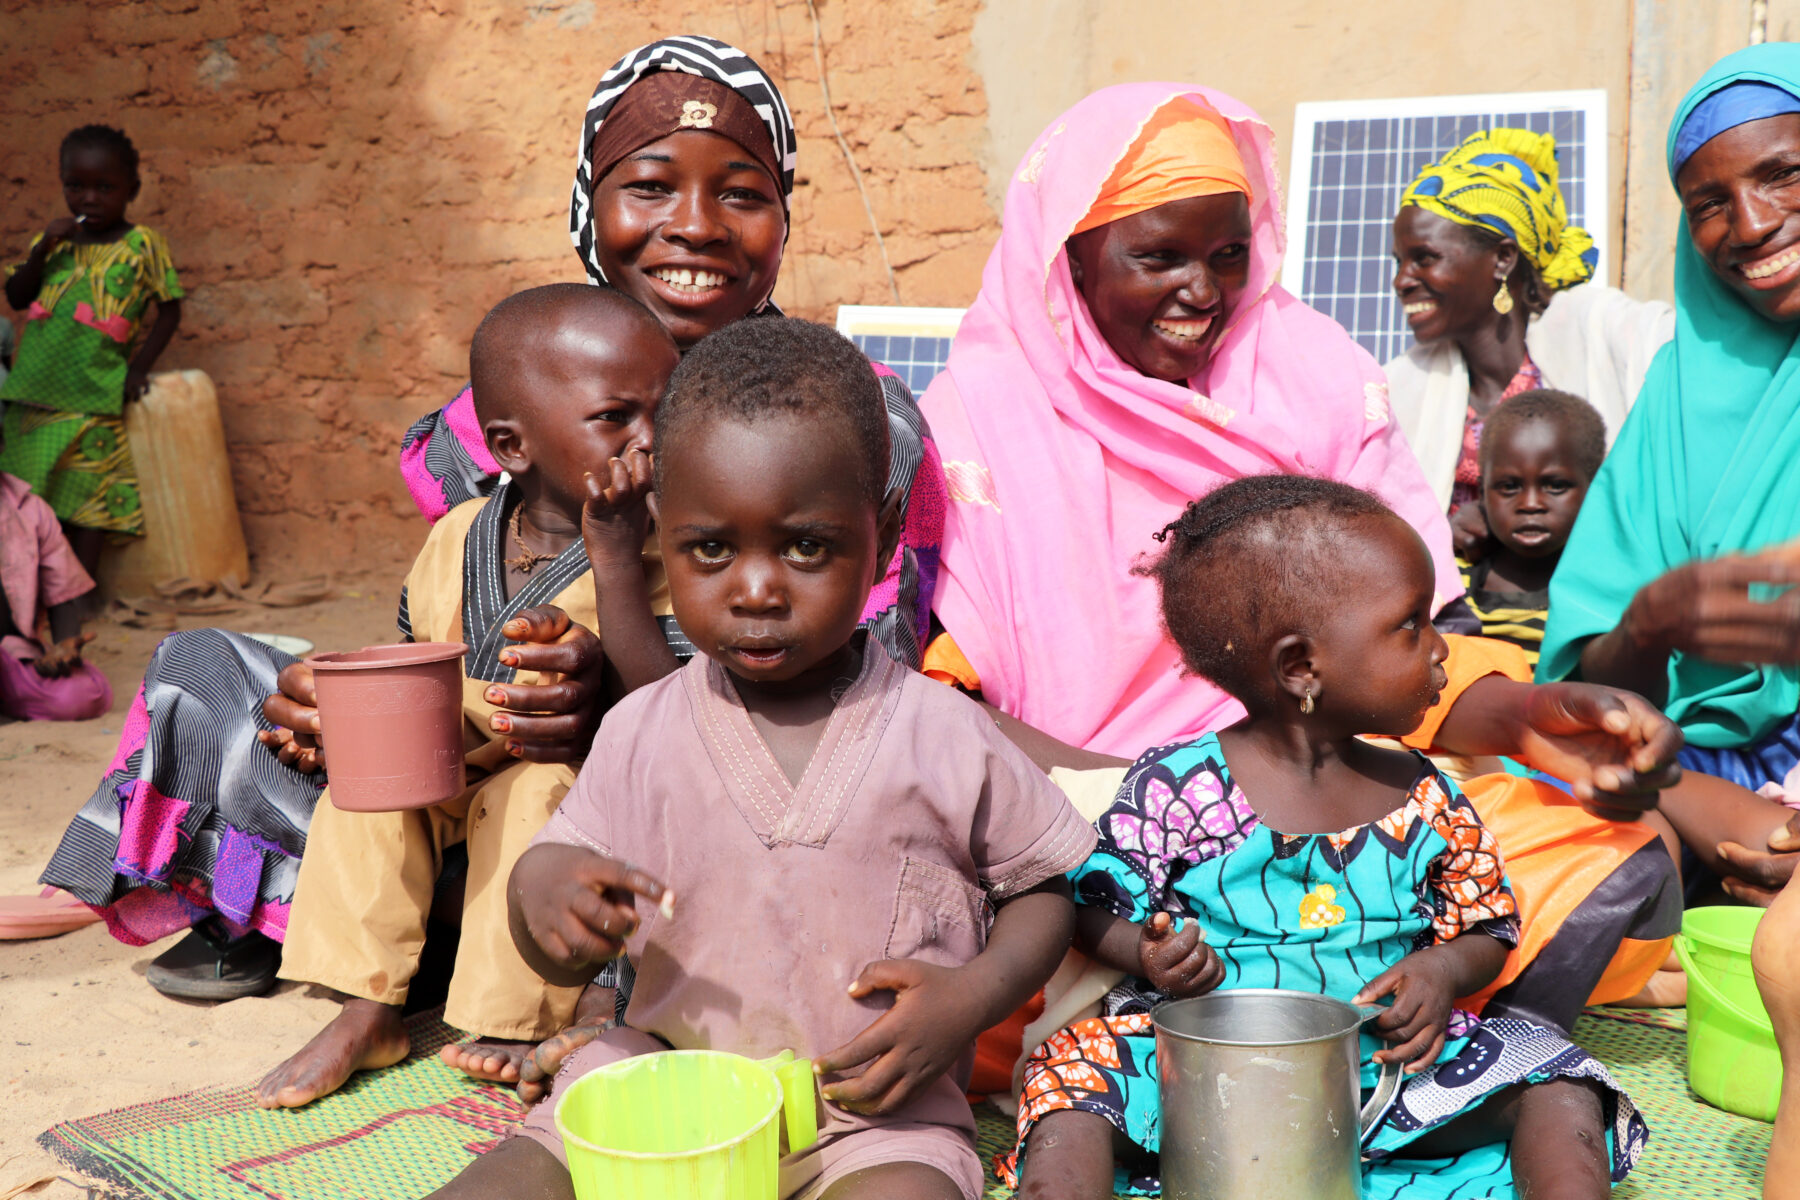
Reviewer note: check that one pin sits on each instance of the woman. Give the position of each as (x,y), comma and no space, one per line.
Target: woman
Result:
(680,200)
(1137,350)
(1674,583)
(1495,285)
(698,240)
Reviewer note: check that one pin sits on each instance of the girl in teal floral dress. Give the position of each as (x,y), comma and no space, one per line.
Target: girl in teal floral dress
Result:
(1310,602)
(85,288)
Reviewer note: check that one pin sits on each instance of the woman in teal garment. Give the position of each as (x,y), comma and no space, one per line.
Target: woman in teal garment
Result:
(1675,582)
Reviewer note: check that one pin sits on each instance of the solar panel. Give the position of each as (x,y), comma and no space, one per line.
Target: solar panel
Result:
(1353,159)
(913,342)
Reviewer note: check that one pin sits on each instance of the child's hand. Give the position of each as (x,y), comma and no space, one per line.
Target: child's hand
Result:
(137,382)
(1469,532)
(61,658)
(295,708)
(937,1013)
(59,230)
(1178,962)
(615,519)
(1423,986)
(578,906)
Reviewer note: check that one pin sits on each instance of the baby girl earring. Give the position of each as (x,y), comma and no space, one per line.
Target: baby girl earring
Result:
(1306,703)
(1503,301)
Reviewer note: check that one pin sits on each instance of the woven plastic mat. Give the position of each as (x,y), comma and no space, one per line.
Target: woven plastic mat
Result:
(1697,1152)
(398,1134)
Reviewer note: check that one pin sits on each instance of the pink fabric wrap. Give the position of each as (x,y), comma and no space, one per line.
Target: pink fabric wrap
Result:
(1063,461)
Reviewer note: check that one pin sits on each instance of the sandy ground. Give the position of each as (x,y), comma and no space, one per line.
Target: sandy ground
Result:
(87,1033)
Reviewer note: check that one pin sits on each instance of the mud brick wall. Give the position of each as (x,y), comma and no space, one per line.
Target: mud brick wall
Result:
(348,185)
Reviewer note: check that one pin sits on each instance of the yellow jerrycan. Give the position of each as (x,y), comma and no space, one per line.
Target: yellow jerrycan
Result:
(686,1125)
(191,524)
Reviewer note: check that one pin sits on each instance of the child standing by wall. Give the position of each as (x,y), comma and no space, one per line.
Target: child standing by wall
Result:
(837,828)
(85,288)
(1539,452)
(1310,602)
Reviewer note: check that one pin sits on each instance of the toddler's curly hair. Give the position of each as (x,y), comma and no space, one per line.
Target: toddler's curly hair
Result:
(1247,564)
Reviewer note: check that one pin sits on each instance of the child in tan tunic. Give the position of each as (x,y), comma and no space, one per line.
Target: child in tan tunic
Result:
(868,872)
(567,378)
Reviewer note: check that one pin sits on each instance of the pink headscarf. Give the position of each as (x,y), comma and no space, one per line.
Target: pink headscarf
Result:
(1063,461)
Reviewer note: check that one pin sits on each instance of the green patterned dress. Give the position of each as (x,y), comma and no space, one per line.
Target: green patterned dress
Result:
(64,401)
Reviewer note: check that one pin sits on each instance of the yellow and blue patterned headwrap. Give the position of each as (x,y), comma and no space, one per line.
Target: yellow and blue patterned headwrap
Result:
(1504,181)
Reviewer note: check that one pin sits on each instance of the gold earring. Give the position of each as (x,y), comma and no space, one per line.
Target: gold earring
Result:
(1503,301)
(1306,704)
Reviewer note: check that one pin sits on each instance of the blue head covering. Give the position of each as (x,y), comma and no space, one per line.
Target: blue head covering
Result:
(1732,105)
(1704,464)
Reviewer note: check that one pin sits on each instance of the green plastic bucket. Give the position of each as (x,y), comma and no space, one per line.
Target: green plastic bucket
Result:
(1732,1058)
(686,1125)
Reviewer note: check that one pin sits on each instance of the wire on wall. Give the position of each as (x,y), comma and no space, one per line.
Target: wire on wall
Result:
(855,171)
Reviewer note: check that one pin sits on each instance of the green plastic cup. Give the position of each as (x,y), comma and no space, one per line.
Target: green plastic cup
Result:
(686,1125)
(1733,1062)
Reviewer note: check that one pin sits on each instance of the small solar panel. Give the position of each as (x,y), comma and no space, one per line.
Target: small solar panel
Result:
(1353,159)
(913,342)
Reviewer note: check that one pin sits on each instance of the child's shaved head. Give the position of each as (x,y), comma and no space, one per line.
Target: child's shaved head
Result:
(769,366)
(519,329)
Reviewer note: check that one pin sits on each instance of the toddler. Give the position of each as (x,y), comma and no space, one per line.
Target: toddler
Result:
(840,857)
(569,377)
(1286,851)
(1539,452)
(85,288)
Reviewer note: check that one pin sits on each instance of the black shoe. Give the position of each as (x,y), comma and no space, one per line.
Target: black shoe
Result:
(205,965)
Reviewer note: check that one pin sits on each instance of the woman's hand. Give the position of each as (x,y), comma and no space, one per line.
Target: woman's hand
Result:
(937,1014)
(295,709)
(62,657)
(1704,608)
(615,519)
(137,382)
(1469,532)
(553,720)
(1613,747)
(1758,876)
(1177,962)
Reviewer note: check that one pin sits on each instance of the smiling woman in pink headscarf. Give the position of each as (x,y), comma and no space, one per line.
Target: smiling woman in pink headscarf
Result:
(1131,350)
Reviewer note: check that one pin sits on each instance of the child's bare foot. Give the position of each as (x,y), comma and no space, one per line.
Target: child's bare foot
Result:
(496,1060)
(1666,989)
(539,1065)
(364,1036)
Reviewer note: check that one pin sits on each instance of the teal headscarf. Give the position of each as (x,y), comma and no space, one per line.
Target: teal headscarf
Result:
(1708,463)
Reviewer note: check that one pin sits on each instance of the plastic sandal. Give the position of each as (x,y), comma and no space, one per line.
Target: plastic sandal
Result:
(47,914)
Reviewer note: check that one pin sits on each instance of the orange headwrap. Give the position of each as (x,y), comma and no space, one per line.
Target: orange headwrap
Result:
(1185,150)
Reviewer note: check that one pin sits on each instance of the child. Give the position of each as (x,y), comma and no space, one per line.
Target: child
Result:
(40,577)
(568,378)
(1310,602)
(834,825)
(1539,452)
(85,287)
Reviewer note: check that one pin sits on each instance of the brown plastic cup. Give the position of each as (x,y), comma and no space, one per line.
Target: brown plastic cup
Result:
(391,721)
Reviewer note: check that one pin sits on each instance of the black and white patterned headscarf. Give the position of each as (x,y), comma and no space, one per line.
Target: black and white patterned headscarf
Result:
(703,56)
